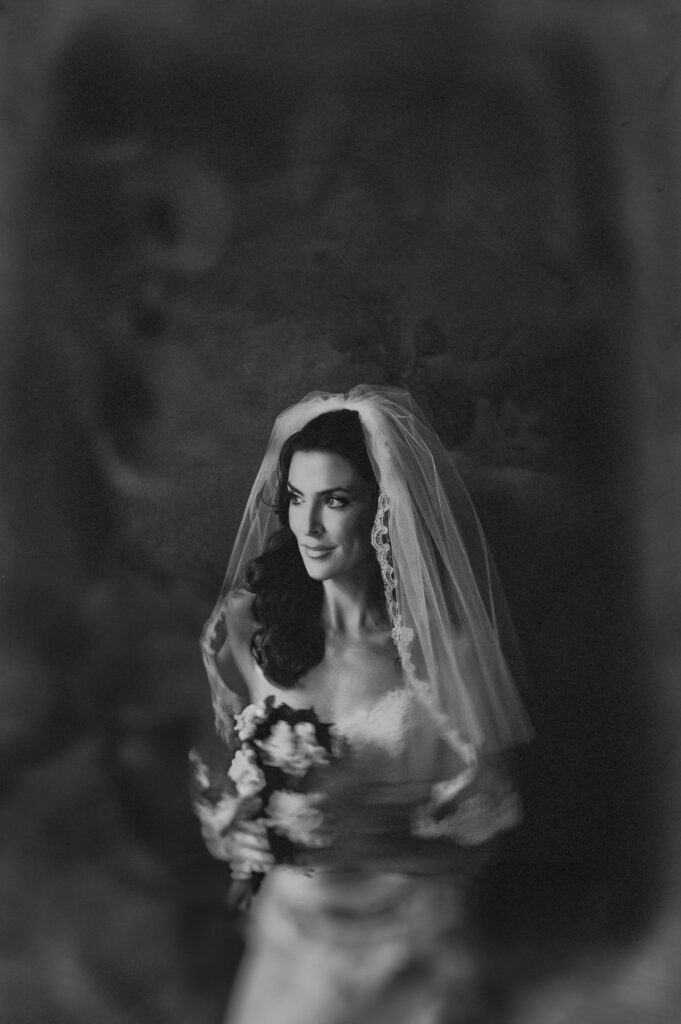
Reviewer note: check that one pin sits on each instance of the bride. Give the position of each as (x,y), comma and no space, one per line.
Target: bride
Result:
(361,585)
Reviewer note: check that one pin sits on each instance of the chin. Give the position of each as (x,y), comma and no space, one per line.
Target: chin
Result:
(317,572)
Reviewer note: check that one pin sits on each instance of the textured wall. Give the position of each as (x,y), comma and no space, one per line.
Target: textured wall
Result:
(216,208)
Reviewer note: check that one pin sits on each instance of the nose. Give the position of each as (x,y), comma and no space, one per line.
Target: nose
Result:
(312,524)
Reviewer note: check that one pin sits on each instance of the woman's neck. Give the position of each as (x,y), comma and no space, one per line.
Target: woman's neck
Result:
(350,605)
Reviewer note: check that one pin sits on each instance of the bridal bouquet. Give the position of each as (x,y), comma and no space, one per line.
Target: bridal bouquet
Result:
(271,785)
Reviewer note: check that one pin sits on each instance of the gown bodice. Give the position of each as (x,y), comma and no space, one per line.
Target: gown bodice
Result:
(380,729)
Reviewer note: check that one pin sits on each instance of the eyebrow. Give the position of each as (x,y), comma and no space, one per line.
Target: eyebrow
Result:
(321,494)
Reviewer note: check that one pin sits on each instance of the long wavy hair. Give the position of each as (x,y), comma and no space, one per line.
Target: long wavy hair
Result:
(290,639)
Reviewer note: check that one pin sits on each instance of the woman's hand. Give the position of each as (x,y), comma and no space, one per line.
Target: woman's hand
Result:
(248,850)
(249,854)
(232,834)
(242,843)
(219,819)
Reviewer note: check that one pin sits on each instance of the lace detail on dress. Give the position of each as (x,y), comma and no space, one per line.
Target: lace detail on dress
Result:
(381,728)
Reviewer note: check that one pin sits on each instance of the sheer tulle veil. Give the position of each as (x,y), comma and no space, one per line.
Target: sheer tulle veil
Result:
(450,622)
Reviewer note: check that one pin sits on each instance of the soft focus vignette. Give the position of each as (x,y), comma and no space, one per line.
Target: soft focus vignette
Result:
(210,209)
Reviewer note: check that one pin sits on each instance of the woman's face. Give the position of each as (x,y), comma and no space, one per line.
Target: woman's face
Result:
(331,513)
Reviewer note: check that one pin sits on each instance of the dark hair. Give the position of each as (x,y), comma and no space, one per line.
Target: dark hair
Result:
(289,639)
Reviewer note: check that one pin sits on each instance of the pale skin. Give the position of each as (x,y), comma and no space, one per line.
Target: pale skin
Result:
(331,512)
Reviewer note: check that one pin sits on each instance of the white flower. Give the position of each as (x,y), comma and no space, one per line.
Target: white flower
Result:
(299,817)
(293,750)
(250,718)
(309,751)
(246,774)
(306,732)
(280,746)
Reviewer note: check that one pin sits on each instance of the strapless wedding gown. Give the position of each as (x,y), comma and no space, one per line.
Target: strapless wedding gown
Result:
(377,947)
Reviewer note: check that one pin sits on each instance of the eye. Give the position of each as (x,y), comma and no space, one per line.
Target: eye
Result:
(294,499)
(333,502)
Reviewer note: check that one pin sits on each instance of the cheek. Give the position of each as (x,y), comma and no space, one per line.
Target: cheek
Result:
(293,519)
(359,533)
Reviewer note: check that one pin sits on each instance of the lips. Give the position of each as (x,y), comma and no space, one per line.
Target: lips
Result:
(316,552)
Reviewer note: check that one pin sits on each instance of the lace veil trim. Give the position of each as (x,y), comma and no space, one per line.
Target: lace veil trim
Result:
(445,603)
(403,638)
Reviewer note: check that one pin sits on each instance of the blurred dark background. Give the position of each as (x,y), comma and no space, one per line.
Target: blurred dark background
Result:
(209,209)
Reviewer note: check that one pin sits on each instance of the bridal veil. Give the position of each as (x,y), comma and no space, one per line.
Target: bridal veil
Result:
(450,622)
